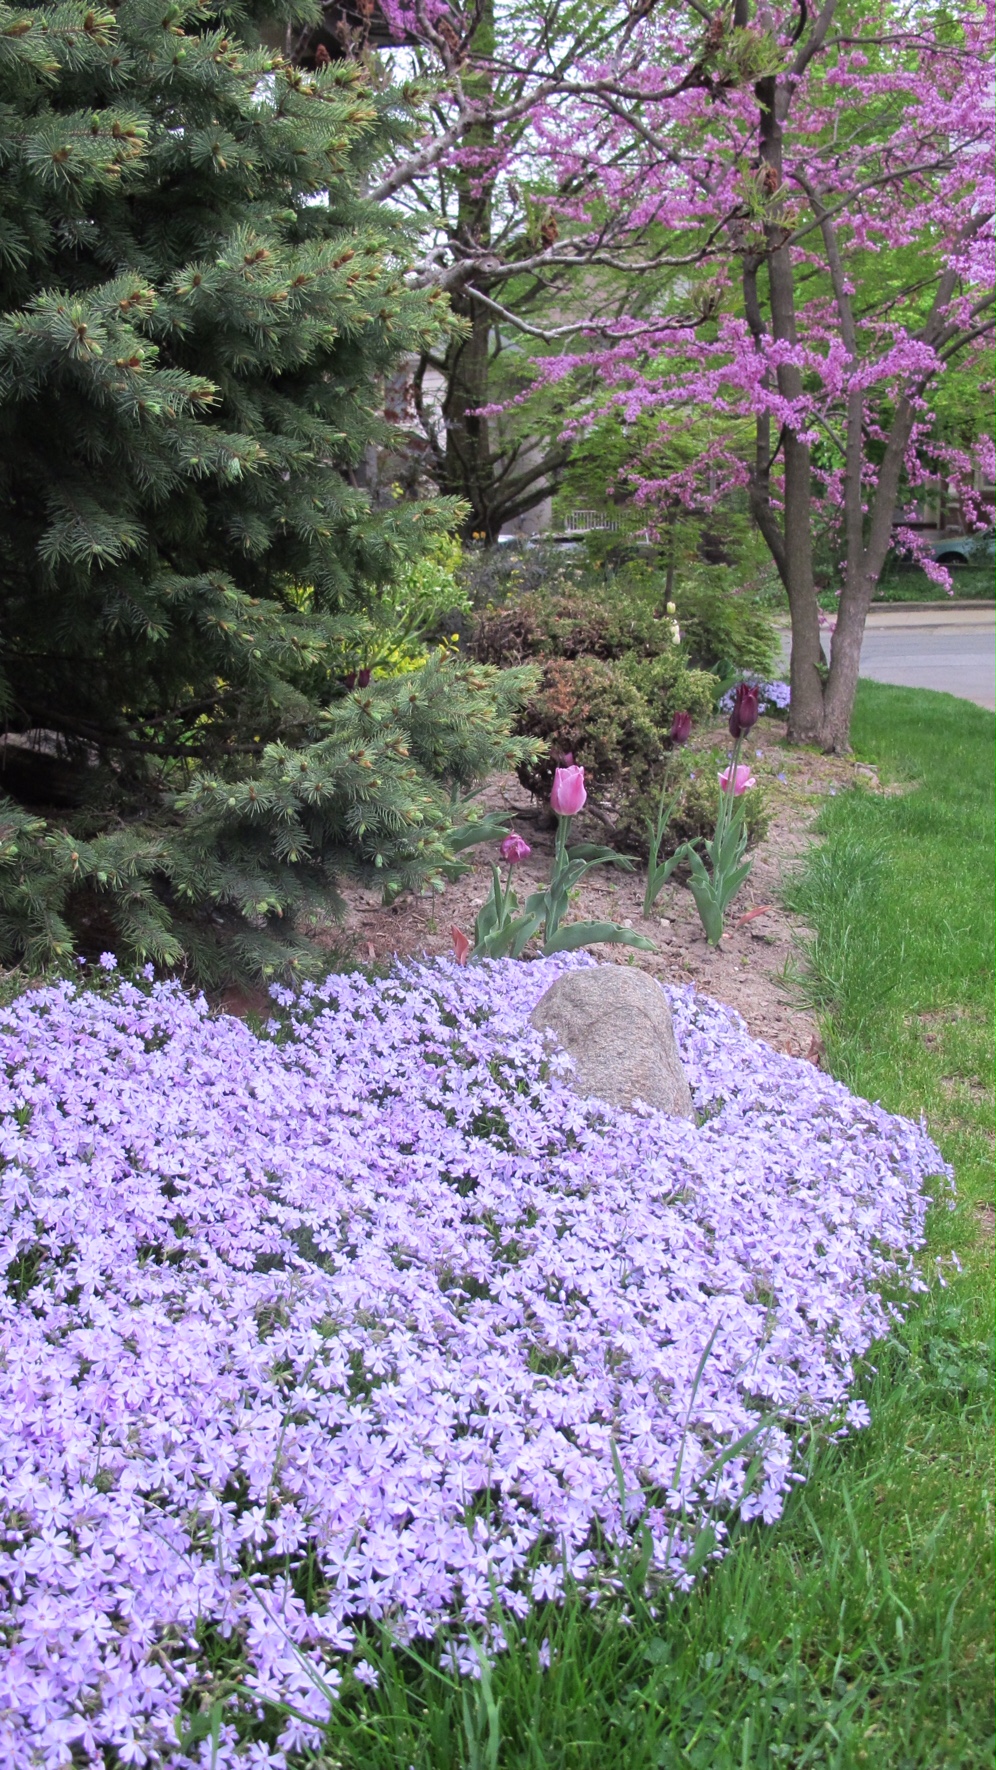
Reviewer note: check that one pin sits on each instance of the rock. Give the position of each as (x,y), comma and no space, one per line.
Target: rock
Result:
(616,1024)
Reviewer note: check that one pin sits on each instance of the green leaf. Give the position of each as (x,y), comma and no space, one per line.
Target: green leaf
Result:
(492,828)
(594,853)
(577,934)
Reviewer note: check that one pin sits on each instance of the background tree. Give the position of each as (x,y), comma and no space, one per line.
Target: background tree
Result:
(718,199)
(523,245)
(832,199)
(196,308)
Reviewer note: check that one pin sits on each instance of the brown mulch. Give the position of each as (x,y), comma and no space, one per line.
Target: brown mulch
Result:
(750,971)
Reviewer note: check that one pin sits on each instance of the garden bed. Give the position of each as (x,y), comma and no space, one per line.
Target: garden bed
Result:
(370,1322)
(752,969)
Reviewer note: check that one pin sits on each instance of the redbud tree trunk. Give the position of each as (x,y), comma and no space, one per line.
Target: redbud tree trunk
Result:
(822,698)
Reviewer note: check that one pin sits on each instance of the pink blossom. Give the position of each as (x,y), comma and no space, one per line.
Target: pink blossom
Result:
(744,779)
(568,794)
(514,849)
(461,945)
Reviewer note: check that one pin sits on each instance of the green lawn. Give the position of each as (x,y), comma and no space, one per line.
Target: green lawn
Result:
(858,1631)
(908,584)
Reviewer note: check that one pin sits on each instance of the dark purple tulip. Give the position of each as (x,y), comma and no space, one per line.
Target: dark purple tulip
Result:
(745,709)
(681,728)
(350,679)
(363,679)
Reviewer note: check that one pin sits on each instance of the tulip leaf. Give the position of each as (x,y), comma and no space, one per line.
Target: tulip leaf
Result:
(491,828)
(595,852)
(567,940)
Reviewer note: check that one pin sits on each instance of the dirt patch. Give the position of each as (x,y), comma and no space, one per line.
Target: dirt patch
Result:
(752,968)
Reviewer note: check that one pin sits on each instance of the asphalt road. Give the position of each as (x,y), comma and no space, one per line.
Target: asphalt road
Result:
(951,650)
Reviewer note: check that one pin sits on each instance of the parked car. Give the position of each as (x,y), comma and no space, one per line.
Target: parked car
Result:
(977,550)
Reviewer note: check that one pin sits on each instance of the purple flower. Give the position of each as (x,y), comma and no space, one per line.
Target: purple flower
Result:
(745,709)
(514,849)
(274,1306)
(681,728)
(107,962)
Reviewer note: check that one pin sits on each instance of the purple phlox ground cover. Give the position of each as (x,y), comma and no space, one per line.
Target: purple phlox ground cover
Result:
(773,697)
(373,1321)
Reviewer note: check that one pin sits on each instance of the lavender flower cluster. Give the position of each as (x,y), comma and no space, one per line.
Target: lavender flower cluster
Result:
(774,697)
(372,1320)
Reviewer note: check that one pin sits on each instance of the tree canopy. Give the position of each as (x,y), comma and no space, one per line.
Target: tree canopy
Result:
(777,217)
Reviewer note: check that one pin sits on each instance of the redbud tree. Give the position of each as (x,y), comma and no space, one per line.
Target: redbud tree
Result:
(829,189)
(488,92)
(773,219)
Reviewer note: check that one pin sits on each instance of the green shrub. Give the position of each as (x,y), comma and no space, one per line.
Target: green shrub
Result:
(614,675)
(613,717)
(589,708)
(223,876)
(722,630)
(696,795)
(668,686)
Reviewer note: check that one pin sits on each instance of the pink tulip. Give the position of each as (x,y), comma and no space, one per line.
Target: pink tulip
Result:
(514,849)
(744,779)
(568,793)
(461,946)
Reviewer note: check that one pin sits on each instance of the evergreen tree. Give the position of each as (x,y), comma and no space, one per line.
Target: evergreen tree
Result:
(196,307)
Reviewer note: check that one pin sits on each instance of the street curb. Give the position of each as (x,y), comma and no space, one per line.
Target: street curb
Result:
(925,608)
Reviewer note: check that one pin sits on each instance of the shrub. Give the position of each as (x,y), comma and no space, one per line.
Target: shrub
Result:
(614,676)
(373,797)
(588,707)
(417,611)
(695,796)
(723,631)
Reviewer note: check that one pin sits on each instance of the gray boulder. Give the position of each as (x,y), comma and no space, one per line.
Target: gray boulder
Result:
(616,1024)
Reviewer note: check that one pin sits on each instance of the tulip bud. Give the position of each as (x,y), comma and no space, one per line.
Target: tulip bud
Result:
(568,793)
(745,709)
(363,679)
(681,729)
(461,946)
(350,679)
(514,849)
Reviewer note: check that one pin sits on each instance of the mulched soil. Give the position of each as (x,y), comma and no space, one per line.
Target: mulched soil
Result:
(751,970)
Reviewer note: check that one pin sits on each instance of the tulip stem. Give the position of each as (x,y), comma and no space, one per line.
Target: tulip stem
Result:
(555,908)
